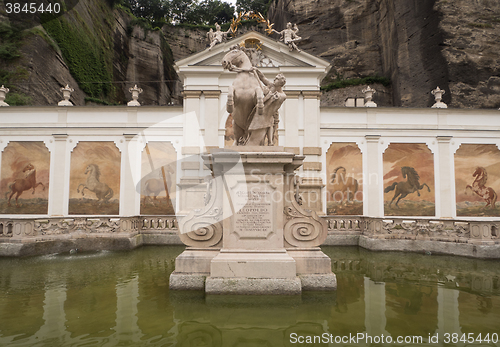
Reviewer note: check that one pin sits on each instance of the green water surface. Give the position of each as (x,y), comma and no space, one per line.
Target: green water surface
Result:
(122,299)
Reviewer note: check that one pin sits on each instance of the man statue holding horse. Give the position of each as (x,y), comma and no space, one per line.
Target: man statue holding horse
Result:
(252,100)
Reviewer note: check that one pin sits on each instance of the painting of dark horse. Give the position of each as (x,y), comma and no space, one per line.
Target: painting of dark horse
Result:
(403,188)
(409,180)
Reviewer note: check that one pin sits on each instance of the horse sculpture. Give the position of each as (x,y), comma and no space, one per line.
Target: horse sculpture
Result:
(22,184)
(347,186)
(102,190)
(157,185)
(479,187)
(409,186)
(245,96)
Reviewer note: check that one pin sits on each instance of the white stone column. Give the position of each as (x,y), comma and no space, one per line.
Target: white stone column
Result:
(373,199)
(131,160)
(191,184)
(445,171)
(375,320)
(127,298)
(211,118)
(59,177)
(311,178)
(290,110)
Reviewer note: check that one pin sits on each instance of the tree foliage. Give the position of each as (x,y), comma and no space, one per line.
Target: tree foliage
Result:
(183,11)
(256,6)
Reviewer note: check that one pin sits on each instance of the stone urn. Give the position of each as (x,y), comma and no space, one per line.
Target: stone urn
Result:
(438,95)
(368,96)
(135,96)
(66,96)
(3,93)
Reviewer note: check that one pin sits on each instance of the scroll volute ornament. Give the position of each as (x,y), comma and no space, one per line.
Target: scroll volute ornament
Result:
(303,228)
(202,228)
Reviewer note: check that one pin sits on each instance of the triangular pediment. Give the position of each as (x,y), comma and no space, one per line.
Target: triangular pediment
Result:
(269,53)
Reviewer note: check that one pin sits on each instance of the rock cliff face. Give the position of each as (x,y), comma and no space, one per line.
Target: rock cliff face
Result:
(418,44)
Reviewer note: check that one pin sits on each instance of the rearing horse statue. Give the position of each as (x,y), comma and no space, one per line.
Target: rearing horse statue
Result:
(245,97)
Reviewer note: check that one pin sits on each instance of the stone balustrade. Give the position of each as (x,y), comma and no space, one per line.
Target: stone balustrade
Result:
(471,238)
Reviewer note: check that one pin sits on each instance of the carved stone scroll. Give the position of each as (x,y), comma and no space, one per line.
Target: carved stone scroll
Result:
(202,228)
(303,227)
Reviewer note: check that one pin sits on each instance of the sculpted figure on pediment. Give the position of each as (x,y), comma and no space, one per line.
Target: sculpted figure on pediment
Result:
(217,36)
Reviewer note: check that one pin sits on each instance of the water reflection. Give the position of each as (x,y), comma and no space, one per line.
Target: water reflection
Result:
(122,298)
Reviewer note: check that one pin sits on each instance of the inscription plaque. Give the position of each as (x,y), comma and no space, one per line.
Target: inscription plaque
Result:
(254,219)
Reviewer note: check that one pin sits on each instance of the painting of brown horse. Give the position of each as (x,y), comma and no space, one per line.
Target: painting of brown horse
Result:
(479,187)
(22,184)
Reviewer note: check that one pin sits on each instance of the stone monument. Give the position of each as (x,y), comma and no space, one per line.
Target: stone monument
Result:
(252,236)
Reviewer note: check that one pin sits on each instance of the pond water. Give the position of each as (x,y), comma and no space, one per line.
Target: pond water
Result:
(122,298)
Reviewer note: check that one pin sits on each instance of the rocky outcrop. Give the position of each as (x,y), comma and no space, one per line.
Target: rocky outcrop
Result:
(128,54)
(417,44)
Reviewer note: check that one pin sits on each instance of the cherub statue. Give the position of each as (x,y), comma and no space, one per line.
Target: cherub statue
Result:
(289,36)
(217,36)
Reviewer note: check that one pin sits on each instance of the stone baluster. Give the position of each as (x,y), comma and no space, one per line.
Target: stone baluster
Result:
(135,96)
(438,95)
(66,95)
(368,96)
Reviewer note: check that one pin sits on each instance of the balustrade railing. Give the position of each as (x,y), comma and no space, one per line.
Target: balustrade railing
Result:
(458,231)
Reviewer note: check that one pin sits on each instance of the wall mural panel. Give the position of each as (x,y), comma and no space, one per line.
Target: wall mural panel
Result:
(477,180)
(344,179)
(158,168)
(25,178)
(409,180)
(94,186)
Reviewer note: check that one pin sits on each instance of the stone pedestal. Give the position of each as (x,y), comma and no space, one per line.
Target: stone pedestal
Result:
(264,242)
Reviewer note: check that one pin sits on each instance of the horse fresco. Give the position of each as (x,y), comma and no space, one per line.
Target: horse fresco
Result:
(23,184)
(479,187)
(102,191)
(347,186)
(156,186)
(403,188)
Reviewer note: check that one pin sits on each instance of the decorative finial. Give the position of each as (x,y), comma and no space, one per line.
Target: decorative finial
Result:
(3,93)
(438,95)
(135,95)
(368,96)
(66,95)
